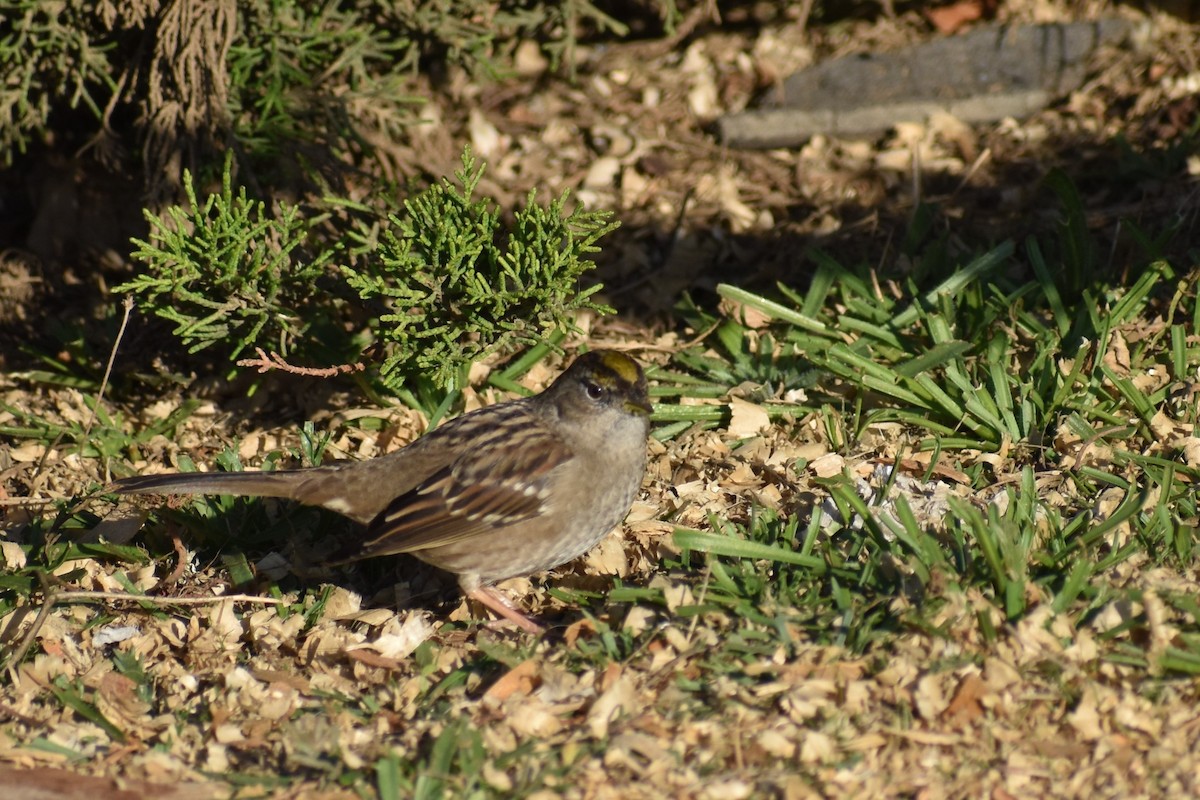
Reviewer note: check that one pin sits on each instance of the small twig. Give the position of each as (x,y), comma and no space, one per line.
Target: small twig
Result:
(181,564)
(87,426)
(915,149)
(702,335)
(53,598)
(976,165)
(806,7)
(1091,441)
(30,502)
(168,601)
(112,357)
(266,363)
(18,655)
(683,30)
(12,713)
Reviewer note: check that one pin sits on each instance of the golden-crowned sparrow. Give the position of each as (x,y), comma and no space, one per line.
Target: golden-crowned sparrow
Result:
(507,490)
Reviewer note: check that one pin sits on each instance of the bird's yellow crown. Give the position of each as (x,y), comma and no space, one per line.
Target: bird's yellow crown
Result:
(625,368)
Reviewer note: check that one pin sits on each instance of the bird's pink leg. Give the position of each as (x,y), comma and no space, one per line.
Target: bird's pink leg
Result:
(504,607)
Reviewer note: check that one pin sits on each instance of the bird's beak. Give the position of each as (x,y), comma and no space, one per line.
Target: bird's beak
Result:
(640,407)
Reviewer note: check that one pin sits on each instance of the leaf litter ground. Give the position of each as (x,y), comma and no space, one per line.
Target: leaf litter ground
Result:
(645,686)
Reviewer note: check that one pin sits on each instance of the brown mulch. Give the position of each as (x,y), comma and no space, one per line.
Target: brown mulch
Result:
(237,688)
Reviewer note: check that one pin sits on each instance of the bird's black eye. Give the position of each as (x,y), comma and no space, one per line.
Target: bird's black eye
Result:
(594,390)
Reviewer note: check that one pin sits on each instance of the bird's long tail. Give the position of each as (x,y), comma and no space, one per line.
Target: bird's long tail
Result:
(251,484)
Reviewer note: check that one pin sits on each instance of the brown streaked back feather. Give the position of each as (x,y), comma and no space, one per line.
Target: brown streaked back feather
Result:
(474,496)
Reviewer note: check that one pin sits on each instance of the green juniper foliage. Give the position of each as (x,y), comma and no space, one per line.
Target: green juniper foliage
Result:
(48,62)
(179,82)
(458,287)
(449,283)
(226,272)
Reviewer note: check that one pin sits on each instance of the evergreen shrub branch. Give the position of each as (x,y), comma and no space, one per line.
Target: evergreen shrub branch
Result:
(179,81)
(227,272)
(457,287)
(49,59)
(446,283)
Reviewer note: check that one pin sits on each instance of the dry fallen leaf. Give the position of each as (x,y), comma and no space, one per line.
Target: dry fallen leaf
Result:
(828,465)
(746,418)
(619,699)
(966,704)
(520,680)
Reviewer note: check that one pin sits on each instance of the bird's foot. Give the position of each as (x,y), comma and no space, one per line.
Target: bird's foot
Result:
(505,608)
